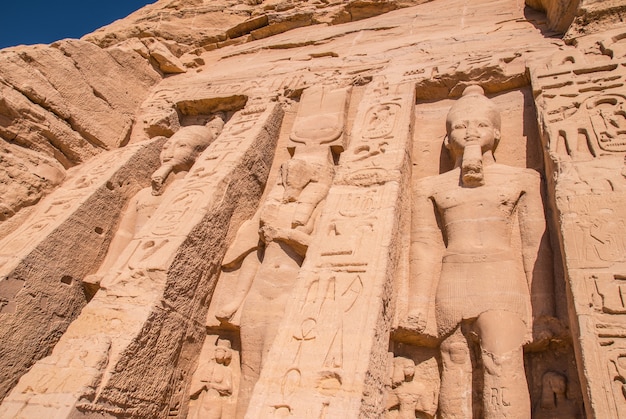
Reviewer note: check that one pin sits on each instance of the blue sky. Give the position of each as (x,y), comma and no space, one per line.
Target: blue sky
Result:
(46,21)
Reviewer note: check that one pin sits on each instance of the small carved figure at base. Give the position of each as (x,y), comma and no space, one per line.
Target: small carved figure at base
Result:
(409,398)
(211,384)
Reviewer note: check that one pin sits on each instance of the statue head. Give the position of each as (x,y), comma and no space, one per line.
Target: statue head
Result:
(182,149)
(403,370)
(295,175)
(473,119)
(223,352)
(308,165)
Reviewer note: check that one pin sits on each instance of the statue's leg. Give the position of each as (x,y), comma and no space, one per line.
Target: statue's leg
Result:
(455,394)
(245,277)
(212,405)
(252,333)
(505,391)
(260,320)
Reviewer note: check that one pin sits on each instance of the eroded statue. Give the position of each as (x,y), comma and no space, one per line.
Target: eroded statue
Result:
(485,282)
(212,383)
(268,252)
(179,153)
(409,397)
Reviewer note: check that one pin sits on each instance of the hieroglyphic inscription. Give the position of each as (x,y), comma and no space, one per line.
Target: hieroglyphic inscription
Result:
(373,156)
(613,293)
(613,370)
(346,269)
(608,118)
(320,118)
(582,107)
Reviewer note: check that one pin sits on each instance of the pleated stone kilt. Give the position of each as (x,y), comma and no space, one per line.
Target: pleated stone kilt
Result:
(470,285)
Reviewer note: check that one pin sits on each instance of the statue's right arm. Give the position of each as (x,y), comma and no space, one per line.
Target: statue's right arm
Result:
(123,236)
(198,381)
(425,256)
(242,256)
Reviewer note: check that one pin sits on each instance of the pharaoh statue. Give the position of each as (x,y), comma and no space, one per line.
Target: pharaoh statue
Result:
(268,252)
(489,287)
(554,402)
(179,153)
(212,383)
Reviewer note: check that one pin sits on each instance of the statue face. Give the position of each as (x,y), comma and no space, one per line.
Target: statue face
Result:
(220,355)
(178,152)
(472,127)
(409,371)
(295,176)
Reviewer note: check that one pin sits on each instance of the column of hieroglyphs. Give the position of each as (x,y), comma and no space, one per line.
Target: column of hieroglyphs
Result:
(582,112)
(43,262)
(123,349)
(329,358)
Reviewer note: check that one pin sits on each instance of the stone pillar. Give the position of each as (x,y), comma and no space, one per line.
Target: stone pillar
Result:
(582,113)
(329,359)
(121,354)
(43,262)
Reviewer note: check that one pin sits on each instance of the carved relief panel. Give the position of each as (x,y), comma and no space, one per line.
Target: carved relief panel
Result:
(338,310)
(166,258)
(263,262)
(581,106)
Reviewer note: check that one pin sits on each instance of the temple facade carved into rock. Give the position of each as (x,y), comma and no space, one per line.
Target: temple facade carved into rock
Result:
(318,209)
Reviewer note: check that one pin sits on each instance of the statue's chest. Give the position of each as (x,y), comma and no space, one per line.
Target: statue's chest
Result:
(500,198)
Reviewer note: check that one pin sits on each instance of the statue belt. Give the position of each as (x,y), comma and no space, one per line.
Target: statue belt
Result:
(506,256)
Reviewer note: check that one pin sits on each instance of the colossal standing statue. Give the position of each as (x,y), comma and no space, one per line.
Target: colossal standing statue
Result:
(489,288)
(179,153)
(268,252)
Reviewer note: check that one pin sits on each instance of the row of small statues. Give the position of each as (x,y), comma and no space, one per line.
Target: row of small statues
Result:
(462,227)
(408,396)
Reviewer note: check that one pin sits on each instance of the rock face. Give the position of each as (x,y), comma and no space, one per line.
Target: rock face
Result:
(66,102)
(398,209)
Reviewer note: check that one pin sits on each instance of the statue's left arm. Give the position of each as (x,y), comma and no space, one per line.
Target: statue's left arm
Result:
(199,381)
(225,386)
(536,250)
(298,237)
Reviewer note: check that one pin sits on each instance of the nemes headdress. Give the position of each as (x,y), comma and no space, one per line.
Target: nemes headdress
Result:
(473,97)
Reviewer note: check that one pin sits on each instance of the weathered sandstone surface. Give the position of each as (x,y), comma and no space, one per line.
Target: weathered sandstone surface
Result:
(317,209)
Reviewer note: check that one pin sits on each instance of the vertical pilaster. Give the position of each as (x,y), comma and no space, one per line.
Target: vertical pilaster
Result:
(581,105)
(43,262)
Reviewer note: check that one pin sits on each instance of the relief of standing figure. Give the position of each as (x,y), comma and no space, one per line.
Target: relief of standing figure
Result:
(212,383)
